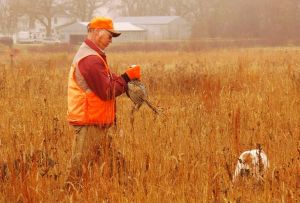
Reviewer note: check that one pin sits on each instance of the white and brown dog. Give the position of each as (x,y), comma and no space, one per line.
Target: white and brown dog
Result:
(252,163)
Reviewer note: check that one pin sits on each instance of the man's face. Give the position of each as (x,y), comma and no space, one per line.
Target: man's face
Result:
(102,38)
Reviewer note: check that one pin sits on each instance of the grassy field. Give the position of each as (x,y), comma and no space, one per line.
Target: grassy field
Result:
(216,104)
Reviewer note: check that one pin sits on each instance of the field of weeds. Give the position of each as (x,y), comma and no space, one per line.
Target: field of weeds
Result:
(215,105)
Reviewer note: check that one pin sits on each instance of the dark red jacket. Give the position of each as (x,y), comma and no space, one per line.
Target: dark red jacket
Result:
(93,71)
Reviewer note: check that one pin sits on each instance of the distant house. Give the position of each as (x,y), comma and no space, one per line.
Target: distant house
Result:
(140,28)
(161,27)
(76,32)
(130,32)
(32,29)
(73,32)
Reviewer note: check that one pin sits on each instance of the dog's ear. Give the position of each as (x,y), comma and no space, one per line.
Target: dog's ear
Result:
(240,161)
(259,147)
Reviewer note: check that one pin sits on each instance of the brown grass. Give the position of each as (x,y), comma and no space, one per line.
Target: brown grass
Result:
(217,104)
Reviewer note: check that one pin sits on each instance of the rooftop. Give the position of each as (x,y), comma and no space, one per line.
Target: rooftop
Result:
(147,20)
(81,26)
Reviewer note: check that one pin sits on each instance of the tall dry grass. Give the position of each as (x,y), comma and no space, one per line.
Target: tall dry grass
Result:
(216,104)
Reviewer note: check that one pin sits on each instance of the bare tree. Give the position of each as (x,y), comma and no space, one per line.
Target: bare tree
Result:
(83,9)
(8,16)
(128,7)
(4,13)
(42,11)
(245,19)
(142,7)
(281,19)
(209,18)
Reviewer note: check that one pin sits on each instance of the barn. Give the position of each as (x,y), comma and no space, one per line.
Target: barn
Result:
(76,32)
(161,27)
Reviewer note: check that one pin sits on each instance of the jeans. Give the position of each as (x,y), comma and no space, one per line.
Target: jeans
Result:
(92,146)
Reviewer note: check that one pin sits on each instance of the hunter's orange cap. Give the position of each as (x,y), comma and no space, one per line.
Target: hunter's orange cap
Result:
(103,23)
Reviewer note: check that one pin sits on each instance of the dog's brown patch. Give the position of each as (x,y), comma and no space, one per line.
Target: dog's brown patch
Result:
(247,159)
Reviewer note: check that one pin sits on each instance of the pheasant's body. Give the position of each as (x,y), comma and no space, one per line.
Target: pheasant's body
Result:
(137,92)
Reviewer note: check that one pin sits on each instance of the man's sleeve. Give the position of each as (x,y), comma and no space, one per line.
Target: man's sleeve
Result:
(93,71)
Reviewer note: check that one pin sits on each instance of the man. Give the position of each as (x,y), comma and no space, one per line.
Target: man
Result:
(92,89)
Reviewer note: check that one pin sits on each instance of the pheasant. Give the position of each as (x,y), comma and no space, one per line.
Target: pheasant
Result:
(137,92)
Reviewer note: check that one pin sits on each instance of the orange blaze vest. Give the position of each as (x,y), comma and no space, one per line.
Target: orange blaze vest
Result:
(85,107)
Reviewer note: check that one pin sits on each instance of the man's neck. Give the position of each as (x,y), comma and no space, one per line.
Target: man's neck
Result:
(100,49)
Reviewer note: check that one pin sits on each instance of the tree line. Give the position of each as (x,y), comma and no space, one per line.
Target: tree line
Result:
(255,19)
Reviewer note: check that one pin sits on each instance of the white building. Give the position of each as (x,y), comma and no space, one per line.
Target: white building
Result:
(76,32)
(161,27)
(31,30)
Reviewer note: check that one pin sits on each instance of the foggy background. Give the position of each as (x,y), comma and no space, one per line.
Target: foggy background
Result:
(231,19)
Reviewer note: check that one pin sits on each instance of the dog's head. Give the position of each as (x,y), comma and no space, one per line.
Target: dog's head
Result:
(246,164)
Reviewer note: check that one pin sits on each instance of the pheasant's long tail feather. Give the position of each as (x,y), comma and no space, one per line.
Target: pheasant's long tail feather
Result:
(152,107)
